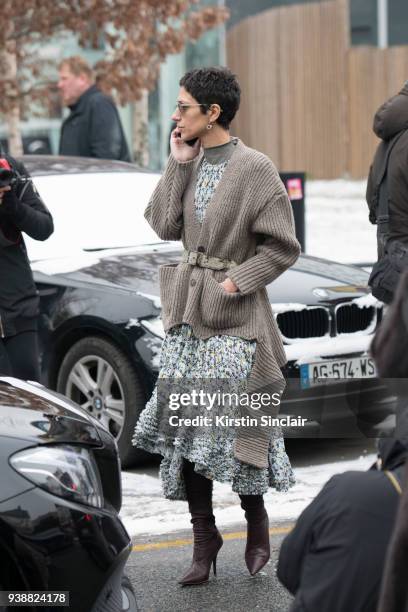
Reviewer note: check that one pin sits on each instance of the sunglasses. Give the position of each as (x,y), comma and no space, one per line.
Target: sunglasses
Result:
(182,107)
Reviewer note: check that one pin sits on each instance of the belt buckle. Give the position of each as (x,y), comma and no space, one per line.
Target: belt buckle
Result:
(202,260)
(192,258)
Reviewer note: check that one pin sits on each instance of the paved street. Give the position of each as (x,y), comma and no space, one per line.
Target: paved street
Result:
(158,560)
(156,564)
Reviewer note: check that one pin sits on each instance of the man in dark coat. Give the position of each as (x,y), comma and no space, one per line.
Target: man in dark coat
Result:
(21,210)
(389,349)
(333,559)
(391,119)
(394,593)
(93,128)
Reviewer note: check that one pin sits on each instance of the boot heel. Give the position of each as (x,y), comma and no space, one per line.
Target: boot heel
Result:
(204,554)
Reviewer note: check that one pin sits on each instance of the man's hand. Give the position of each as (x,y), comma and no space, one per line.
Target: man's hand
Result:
(181,151)
(229,286)
(3,191)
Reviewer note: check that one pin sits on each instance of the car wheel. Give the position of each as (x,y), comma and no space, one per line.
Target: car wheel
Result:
(129,603)
(100,378)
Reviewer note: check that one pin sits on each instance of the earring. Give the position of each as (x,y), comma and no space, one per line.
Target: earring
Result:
(209,126)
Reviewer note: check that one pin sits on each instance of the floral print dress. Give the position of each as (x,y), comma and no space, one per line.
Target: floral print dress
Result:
(217,357)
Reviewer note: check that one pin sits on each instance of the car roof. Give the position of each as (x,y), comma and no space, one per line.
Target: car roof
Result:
(42,165)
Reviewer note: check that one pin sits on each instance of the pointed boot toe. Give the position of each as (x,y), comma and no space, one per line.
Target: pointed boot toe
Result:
(258,550)
(256,562)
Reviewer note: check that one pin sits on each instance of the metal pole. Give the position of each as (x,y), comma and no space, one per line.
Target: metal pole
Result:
(382,23)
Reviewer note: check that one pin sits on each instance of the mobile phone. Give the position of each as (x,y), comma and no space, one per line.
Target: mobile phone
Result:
(191,142)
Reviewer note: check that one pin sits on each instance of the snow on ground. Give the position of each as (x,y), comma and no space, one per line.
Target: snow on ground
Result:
(146,511)
(337,225)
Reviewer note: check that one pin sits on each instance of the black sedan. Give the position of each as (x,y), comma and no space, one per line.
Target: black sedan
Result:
(59,501)
(101,330)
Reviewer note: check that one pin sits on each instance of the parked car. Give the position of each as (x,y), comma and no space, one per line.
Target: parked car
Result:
(101,330)
(60,496)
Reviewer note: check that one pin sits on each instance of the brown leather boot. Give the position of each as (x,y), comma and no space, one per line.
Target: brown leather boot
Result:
(207,543)
(207,539)
(258,550)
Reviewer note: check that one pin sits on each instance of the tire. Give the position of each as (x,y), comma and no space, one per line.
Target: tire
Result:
(129,603)
(99,377)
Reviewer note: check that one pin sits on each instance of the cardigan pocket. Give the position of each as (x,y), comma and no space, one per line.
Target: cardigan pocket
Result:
(167,275)
(222,310)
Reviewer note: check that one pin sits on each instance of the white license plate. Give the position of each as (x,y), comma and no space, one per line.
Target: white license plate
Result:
(323,372)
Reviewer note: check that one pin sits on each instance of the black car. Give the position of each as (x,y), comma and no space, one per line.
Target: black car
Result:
(101,330)
(60,496)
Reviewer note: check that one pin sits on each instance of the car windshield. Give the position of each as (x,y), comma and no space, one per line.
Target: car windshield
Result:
(94,211)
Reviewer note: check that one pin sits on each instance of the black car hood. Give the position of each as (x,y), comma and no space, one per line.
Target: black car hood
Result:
(35,413)
(315,281)
(310,281)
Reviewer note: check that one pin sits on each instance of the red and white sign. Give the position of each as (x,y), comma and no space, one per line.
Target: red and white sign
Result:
(294,188)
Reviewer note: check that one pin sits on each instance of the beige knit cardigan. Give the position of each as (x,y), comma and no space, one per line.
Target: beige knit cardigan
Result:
(249,220)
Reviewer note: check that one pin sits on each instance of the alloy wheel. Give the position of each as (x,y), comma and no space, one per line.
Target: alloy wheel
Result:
(95,386)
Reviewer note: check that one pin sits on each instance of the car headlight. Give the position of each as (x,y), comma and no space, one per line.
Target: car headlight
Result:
(66,471)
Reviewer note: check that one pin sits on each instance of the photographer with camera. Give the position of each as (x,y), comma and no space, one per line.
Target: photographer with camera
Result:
(21,210)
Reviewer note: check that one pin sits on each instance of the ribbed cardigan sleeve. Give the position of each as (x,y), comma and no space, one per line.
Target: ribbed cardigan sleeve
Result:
(278,248)
(165,209)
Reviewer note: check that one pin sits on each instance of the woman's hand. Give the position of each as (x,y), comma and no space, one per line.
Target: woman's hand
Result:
(181,151)
(229,286)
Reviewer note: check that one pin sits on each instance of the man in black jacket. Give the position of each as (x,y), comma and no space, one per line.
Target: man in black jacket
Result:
(392,119)
(332,561)
(93,128)
(21,210)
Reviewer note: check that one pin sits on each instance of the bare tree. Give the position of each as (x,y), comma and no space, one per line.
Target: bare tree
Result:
(138,35)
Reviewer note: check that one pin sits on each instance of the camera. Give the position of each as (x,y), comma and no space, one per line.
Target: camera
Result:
(10,178)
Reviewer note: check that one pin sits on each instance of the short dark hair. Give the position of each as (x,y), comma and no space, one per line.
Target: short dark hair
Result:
(215,85)
(77,65)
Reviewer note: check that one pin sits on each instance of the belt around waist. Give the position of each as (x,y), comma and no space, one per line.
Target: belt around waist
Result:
(195,258)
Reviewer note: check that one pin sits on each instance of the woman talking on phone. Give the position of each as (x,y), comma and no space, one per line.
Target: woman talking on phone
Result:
(229,207)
